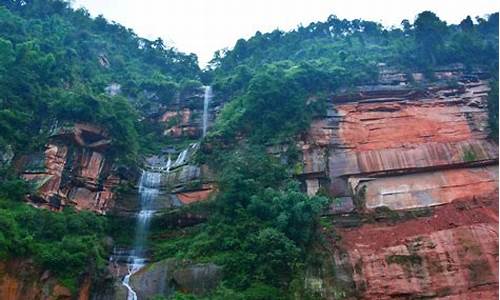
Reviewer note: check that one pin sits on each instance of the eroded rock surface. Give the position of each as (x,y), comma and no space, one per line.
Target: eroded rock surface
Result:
(368,140)
(415,177)
(22,280)
(453,254)
(73,170)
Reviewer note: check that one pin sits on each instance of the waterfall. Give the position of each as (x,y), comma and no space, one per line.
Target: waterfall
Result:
(169,164)
(181,158)
(149,188)
(206,102)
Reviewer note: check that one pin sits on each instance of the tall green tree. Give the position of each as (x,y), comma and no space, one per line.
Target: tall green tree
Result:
(430,32)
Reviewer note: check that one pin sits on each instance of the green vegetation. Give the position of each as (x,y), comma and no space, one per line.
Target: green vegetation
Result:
(68,243)
(259,228)
(493,109)
(469,155)
(276,80)
(406,261)
(56,64)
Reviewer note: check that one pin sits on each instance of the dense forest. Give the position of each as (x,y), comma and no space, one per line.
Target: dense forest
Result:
(59,65)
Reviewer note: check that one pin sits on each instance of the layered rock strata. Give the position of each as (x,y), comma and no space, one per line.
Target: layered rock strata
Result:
(415,181)
(73,170)
(435,141)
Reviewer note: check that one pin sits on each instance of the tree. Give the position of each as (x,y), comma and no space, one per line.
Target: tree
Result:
(429,35)
(406,26)
(466,25)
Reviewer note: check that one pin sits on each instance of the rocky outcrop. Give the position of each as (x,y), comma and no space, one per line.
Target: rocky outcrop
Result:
(182,182)
(22,280)
(415,181)
(184,118)
(369,139)
(183,123)
(451,254)
(429,188)
(73,170)
(165,277)
(187,182)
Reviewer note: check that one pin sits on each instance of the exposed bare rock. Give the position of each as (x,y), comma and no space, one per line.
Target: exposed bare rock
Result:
(387,131)
(453,254)
(22,280)
(201,194)
(181,124)
(430,188)
(73,170)
(415,181)
(167,276)
(442,263)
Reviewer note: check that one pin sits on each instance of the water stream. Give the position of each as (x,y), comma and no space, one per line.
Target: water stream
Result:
(149,185)
(206,101)
(149,189)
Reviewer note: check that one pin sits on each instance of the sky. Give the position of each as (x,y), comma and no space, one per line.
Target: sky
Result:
(204,26)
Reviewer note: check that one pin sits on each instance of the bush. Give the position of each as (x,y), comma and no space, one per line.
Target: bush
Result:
(67,243)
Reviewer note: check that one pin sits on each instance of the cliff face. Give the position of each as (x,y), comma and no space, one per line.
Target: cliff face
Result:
(390,154)
(184,119)
(21,280)
(73,170)
(450,254)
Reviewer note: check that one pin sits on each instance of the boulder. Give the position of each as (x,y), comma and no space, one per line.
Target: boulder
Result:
(166,276)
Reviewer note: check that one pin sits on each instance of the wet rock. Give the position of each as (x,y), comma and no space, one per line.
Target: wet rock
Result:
(165,277)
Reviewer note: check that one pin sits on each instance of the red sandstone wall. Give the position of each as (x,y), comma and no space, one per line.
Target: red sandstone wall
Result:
(389,154)
(451,254)
(69,154)
(15,285)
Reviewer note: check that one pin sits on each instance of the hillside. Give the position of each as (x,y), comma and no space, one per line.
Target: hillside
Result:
(341,160)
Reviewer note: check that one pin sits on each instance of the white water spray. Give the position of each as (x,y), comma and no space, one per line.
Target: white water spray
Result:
(206,101)
(149,186)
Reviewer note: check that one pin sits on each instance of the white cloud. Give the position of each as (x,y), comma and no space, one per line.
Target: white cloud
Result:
(203,26)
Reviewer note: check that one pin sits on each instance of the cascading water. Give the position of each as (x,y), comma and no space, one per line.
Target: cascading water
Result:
(206,101)
(148,192)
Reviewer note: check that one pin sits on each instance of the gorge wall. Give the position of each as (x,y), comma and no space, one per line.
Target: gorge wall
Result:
(415,181)
(75,169)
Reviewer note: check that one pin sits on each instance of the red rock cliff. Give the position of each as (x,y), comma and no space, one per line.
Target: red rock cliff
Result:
(21,280)
(73,170)
(416,182)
